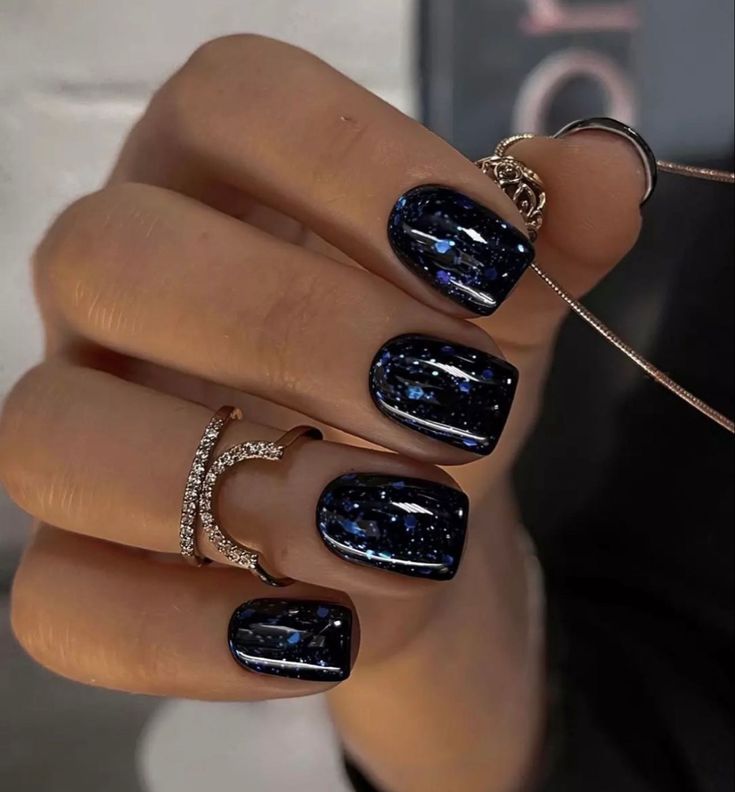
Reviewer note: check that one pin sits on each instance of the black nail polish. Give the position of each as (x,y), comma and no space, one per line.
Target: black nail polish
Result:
(459,246)
(447,391)
(406,525)
(300,639)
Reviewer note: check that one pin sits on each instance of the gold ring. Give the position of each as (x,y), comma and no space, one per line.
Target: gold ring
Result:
(204,478)
(521,184)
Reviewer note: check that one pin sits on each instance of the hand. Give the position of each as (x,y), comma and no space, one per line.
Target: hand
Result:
(240,247)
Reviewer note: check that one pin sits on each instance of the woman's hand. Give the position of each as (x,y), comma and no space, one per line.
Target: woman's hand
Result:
(249,249)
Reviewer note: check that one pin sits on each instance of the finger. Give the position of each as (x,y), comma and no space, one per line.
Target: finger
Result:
(106,458)
(593,182)
(159,277)
(111,617)
(289,131)
(349,137)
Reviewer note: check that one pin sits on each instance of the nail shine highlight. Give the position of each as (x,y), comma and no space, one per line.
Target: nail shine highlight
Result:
(301,639)
(453,393)
(462,248)
(405,525)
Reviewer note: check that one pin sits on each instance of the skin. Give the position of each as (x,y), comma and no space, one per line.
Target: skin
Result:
(238,255)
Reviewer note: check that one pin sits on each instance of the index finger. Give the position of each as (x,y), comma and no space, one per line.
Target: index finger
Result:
(282,126)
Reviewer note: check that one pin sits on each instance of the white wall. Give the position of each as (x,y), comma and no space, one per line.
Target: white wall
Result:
(75,73)
(73,76)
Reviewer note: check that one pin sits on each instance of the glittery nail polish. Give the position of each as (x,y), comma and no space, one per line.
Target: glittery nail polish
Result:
(301,639)
(460,247)
(406,525)
(447,391)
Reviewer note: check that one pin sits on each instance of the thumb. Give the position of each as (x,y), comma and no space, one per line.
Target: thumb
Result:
(594,182)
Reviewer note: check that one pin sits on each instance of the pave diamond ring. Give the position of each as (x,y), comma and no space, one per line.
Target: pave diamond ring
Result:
(201,489)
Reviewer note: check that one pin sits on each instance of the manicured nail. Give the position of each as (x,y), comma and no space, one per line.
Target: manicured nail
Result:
(447,391)
(459,246)
(407,525)
(632,136)
(300,639)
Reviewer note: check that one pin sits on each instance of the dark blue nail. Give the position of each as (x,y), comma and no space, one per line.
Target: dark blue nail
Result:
(293,638)
(407,525)
(447,391)
(459,246)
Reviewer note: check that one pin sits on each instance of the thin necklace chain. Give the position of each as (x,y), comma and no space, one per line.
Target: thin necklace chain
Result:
(690,171)
(708,174)
(639,360)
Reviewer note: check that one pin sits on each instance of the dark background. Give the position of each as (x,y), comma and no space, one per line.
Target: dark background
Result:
(628,492)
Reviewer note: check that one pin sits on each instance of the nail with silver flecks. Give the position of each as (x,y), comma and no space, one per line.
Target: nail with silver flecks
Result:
(462,248)
(301,639)
(444,390)
(404,525)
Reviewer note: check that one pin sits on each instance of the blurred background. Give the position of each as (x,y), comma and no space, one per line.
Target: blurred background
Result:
(74,76)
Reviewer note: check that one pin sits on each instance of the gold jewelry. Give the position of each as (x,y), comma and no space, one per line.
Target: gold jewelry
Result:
(522,185)
(526,190)
(202,486)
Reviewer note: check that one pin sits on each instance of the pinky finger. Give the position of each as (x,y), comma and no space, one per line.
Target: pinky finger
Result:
(113,617)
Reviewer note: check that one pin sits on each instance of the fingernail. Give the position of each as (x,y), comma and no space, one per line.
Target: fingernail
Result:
(460,247)
(633,138)
(406,525)
(300,639)
(447,391)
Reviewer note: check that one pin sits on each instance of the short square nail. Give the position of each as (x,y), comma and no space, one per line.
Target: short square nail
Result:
(460,247)
(406,525)
(301,639)
(447,391)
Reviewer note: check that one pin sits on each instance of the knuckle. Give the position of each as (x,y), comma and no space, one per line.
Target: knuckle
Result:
(48,622)
(53,645)
(28,476)
(61,633)
(19,407)
(57,246)
(209,71)
(74,236)
(30,621)
(84,223)
(222,50)
(98,229)
(222,53)
(229,81)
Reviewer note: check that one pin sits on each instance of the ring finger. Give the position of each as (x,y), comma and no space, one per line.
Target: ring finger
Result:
(99,456)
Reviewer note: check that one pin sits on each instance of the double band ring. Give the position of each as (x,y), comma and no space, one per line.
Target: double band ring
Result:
(201,488)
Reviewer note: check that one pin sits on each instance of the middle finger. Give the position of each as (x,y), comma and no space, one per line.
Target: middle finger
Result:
(160,277)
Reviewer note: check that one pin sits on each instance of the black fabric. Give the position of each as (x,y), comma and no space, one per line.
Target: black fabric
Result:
(640,581)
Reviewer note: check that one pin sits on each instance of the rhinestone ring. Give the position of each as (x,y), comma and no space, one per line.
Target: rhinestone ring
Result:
(201,488)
